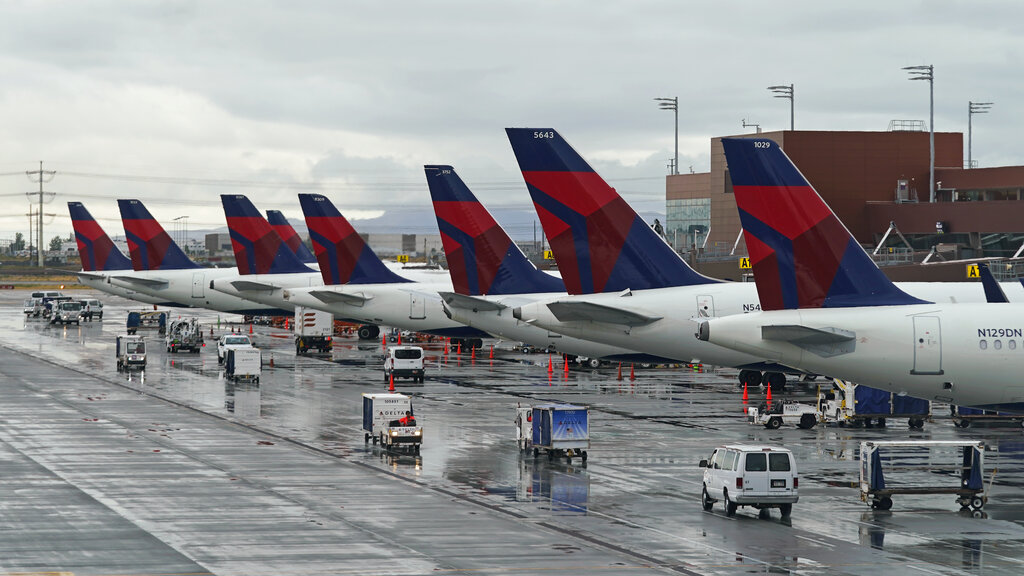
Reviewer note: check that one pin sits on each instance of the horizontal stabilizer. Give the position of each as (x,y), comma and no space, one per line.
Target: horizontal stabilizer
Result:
(590,312)
(332,297)
(151,282)
(825,342)
(250,286)
(91,275)
(470,302)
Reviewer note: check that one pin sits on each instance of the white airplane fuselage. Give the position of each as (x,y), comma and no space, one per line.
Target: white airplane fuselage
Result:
(189,288)
(966,354)
(411,306)
(681,309)
(502,324)
(98,281)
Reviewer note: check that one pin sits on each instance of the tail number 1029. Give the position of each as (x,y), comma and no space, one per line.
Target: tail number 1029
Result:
(762,144)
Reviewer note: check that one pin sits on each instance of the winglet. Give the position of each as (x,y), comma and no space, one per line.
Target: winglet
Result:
(801,254)
(601,244)
(290,236)
(993,291)
(343,255)
(482,259)
(95,248)
(148,243)
(258,248)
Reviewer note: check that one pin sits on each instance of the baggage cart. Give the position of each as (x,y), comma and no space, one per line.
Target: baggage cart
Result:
(559,430)
(889,468)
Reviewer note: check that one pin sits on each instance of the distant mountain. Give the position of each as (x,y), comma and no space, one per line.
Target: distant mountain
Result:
(518,223)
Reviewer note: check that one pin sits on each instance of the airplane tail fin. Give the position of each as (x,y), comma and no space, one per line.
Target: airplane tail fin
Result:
(258,248)
(801,254)
(95,248)
(601,244)
(482,259)
(290,236)
(343,255)
(148,243)
(993,291)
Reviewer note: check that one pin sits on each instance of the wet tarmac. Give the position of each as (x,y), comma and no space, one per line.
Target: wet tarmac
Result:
(178,471)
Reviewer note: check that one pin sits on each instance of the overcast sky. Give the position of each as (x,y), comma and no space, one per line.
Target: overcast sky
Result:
(177,102)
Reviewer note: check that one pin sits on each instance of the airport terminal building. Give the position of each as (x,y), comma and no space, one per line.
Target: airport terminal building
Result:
(869,179)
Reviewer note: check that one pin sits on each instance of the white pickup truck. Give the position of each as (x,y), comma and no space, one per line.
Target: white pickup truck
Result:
(229,341)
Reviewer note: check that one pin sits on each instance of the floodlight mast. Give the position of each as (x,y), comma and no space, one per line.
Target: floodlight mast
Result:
(672,104)
(972,109)
(783,91)
(927,72)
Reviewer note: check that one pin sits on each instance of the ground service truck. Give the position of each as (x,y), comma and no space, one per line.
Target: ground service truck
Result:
(314,330)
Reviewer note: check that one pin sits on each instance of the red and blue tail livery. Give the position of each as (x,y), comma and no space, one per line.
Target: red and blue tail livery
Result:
(148,243)
(343,255)
(258,248)
(482,259)
(601,244)
(95,248)
(280,225)
(801,254)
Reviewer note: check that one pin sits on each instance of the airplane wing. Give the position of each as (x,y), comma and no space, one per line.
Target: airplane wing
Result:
(825,342)
(151,282)
(250,286)
(590,312)
(470,302)
(332,297)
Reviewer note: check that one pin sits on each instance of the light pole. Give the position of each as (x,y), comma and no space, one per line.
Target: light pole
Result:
(181,228)
(927,72)
(782,91)
(972,109)
(672,104)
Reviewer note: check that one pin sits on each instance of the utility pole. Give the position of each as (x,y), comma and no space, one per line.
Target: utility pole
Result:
(41,176)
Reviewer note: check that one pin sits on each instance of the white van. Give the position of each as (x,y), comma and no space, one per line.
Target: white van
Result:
(404,362)
(745,475)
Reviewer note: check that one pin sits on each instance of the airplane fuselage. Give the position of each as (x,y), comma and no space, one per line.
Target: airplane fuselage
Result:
(191,287)
(967,354)
(681,309)
(409,305)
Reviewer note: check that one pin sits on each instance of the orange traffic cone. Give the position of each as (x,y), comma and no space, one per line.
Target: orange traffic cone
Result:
(768,398)
(491,354)
(383,341)
(391,382)
(632,376)
(551,369)
(399,338)
(459,349)
(250,328)
(271,360)
(472,352)
(446,347)
(565,363)
(745,397)
(619,377)
(286,325)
